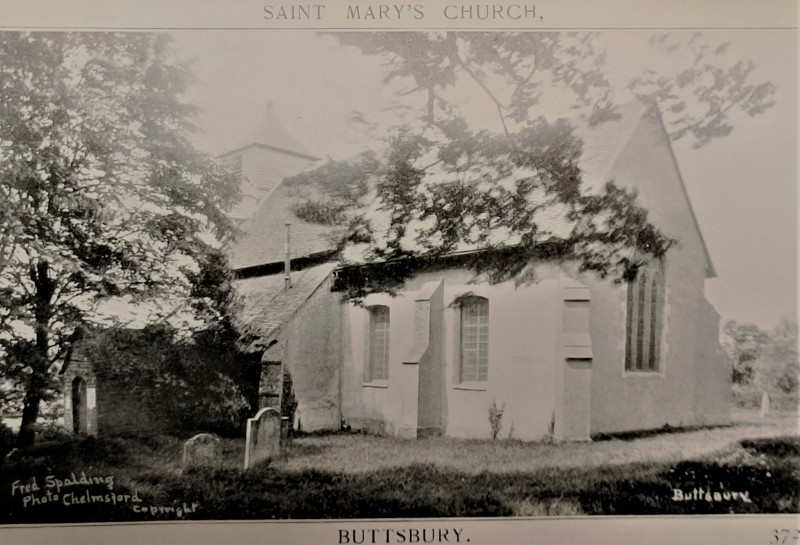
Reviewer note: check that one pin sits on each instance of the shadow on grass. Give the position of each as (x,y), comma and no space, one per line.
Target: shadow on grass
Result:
(769,479)
(664,430)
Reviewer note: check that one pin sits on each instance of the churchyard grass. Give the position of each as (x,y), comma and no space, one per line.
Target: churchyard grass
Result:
(362,476)
(338,453)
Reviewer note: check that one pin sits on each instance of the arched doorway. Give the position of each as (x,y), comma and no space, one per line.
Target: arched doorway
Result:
(79,412)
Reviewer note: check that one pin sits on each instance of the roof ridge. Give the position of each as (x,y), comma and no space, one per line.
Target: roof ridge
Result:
(270,132)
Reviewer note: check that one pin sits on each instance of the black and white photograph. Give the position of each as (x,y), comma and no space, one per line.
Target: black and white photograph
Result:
(369,274)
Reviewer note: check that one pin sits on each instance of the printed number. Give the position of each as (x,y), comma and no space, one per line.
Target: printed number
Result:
(784,536)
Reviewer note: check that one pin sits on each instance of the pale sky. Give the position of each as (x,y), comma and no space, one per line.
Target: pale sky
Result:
(743,187)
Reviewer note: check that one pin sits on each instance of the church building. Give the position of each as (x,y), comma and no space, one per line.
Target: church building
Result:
(565,357)
(568,356)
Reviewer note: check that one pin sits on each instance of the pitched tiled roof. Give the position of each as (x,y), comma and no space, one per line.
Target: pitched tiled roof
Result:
(266,305)
(264,235)
(603,142)
(263,241)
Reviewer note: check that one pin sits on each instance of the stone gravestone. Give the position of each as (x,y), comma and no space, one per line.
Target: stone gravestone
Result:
(764,405)
(263,437)
(202,450)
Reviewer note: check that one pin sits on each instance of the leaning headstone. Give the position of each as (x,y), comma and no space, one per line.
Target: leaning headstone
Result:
(263,437)
(202,450)
(764,405)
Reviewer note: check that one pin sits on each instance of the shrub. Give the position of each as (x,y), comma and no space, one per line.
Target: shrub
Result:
(496,418)
(50,431)
(7,439)
(746,397)
(105,450)
(749,397)
(774,446)
(184,387)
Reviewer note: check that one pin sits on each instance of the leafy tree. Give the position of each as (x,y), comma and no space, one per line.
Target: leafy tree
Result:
(181,386)
(767,360)
(744,344)
(103,196)
(438,185)
(518,70)
(779,370)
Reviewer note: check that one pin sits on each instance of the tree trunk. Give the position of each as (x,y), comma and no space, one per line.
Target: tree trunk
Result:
(37,384)
(30,410)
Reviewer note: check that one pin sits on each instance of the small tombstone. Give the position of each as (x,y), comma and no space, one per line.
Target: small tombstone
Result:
(13,455)
(202,450)
(764,405)
(263,437)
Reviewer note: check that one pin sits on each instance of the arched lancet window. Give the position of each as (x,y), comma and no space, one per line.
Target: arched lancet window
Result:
(378,343)
(474,362)
(629,327)
(644,319)
(656,311)
(641,321)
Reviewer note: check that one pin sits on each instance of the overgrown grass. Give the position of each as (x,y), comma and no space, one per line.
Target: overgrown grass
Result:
(356,476)
(341,453)
(750,396)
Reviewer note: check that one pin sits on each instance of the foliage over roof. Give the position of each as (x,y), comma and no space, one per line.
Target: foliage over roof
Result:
(263,241)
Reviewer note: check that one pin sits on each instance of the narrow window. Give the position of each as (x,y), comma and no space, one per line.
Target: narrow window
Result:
(655,322)
(640,322)
(378,343)
(645,307)
(630,327)
(474,339)
(78,405)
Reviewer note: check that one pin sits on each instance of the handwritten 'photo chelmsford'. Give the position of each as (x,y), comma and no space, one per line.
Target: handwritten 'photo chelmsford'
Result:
(431,275)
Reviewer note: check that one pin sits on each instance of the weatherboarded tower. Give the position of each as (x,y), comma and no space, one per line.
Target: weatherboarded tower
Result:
(264,157)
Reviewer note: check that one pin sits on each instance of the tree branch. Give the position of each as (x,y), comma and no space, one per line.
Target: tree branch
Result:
(455,58)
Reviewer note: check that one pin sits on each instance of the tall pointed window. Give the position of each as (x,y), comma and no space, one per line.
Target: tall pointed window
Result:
(474,339)
(378,343)
(645,309)
(655,321)
(641,318)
